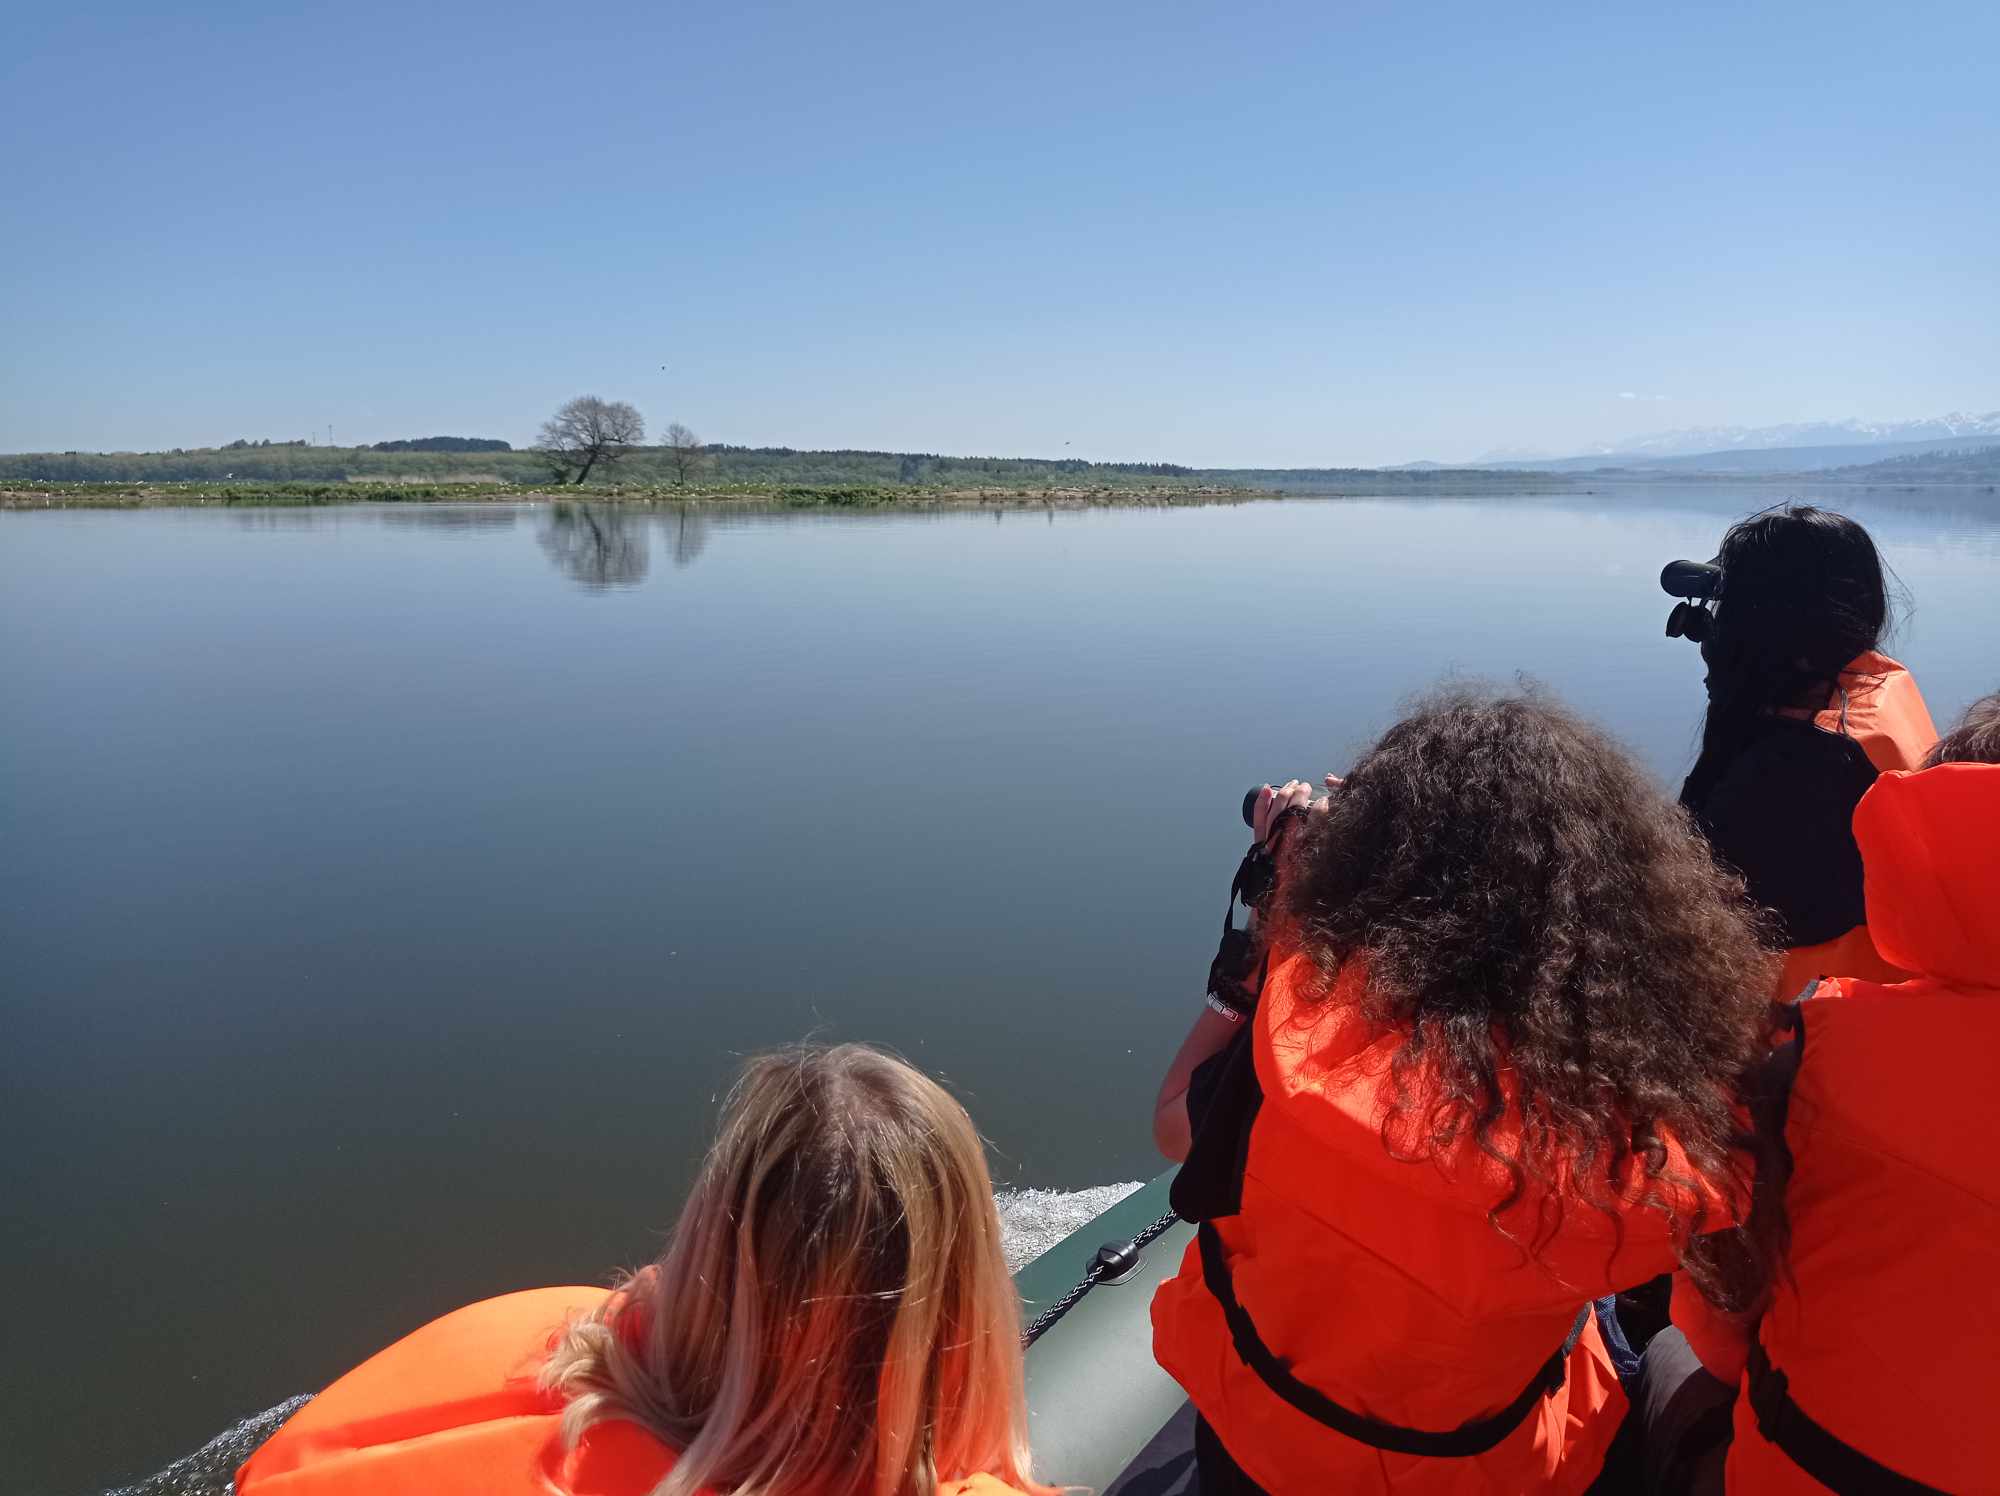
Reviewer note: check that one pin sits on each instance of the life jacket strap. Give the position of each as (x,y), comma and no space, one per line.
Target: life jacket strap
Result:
(1823,1455)
(1475,1436)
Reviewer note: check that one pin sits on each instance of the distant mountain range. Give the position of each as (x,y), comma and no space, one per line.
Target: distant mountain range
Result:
(1804,446)
(1762,459)
(1850,433)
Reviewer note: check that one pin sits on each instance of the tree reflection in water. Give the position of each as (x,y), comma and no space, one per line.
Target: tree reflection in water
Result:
(687,532)
(596,545)
(602,546)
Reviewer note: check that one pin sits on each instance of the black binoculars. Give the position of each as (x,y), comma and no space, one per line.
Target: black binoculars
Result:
(1700,583)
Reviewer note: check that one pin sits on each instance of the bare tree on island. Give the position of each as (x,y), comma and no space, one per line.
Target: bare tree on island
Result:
(685,448)
(587,433)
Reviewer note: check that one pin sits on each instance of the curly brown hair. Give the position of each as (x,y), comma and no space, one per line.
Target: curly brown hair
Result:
(1976,739)
(1526,901)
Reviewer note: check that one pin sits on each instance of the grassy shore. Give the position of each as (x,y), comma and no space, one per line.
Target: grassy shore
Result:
(31,495)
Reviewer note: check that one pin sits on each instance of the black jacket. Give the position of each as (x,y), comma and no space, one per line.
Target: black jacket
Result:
(1780,810)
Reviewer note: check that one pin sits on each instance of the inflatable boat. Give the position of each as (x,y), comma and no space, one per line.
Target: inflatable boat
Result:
(1100,1413)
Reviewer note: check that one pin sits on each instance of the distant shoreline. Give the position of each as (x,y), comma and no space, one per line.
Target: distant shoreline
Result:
(29,495)
(856,497)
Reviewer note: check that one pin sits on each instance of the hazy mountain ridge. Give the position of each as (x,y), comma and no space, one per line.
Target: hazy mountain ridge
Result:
(1800,446)
(1698,440)
(1701,441)
(1755,459)
(1959,465)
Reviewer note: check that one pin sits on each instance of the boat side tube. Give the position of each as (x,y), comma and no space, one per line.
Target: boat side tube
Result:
(1095,1395)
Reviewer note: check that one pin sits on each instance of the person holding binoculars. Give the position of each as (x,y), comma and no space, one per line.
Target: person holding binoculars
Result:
(1471,1070)
(1804,712)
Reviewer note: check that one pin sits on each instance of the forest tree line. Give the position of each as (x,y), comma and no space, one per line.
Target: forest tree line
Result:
(720,464)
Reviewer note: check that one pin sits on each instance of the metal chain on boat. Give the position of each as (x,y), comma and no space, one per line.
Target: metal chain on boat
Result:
(1113,1261)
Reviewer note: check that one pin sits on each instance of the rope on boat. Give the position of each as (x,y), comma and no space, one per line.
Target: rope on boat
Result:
(1114,1260)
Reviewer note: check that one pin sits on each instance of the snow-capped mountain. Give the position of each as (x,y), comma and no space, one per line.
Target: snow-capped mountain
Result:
(1701,439)
(1802,446)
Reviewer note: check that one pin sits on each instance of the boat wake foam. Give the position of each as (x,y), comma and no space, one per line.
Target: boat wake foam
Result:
(1031,1221)
(211,1469)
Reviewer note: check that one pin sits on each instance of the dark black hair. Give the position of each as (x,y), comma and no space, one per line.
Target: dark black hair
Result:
(1803,592)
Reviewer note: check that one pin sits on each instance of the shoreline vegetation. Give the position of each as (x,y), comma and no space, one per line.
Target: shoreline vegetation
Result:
(780,496)
(685,470)
(251,493)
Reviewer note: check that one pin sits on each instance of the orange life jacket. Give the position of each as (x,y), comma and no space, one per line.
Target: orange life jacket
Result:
(1852,955)
(1382,1285)
(1879,706)
(1886,1329)
(454,1410)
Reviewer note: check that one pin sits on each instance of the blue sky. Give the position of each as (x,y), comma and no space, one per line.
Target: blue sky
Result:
(1285,234)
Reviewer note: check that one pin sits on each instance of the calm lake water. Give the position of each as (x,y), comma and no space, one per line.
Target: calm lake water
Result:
(389,893)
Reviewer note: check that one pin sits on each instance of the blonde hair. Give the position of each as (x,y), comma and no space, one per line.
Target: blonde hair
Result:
(832,1315)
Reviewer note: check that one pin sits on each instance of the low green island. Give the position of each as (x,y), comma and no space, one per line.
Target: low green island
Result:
(684,470)
(45,495)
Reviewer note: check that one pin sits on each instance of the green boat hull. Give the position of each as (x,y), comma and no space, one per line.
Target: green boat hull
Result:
(1095,1396)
